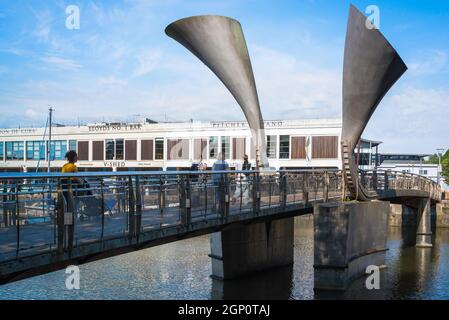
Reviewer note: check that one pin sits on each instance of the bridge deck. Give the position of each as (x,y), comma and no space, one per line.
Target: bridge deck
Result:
(46,226)
(36,252)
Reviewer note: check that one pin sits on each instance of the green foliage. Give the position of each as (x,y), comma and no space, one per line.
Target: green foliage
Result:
(433,159)
(445,167)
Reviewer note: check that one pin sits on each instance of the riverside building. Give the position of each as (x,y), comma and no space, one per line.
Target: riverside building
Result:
(293,144)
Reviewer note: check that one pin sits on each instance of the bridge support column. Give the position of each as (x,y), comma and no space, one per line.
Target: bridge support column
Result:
(424,233)
(251,248)
(348,237)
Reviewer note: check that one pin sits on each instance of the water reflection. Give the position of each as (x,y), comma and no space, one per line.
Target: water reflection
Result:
(274,284)
(182,270)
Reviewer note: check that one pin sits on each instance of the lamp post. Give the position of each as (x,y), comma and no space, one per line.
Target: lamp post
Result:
(439,153)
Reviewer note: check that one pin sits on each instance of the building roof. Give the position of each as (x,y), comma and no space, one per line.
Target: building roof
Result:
(367,143)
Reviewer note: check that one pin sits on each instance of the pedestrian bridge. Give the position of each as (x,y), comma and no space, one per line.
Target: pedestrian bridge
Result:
(49,221)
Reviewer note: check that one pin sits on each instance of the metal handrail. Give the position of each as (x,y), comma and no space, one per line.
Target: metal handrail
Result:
(31,175)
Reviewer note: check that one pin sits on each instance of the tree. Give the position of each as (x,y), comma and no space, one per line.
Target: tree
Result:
(445,167)
(433,159)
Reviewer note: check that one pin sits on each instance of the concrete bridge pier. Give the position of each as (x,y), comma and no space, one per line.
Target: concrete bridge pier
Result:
(348,237)
(246,249)
(424,232)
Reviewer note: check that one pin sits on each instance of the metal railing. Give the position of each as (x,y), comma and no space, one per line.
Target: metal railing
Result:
(41,213)
(380,181)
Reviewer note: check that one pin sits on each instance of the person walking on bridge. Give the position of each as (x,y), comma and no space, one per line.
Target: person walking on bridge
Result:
(220,181)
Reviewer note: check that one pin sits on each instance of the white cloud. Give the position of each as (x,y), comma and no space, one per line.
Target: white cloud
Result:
(42,29)
(61,63)
(289,88)
(414,101)
(146,63)
(112,81)
(428,62)
(30,113)
(412,120)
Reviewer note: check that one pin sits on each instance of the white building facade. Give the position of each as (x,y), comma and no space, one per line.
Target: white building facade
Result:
(168,146)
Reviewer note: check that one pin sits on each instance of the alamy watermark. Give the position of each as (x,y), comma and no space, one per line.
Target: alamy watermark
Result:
(373,280)
(373,19)
(73,280)
(72,22)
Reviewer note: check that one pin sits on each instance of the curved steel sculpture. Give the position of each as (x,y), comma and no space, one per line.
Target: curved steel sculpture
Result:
(220,44)
(371,67)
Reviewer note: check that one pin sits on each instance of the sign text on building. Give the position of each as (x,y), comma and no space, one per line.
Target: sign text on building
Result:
(114,127)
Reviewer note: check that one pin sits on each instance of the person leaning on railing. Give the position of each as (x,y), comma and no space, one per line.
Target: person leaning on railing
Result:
(70,167)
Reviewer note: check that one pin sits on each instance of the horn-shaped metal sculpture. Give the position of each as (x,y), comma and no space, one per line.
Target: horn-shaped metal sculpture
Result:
(371,67)
(220,44)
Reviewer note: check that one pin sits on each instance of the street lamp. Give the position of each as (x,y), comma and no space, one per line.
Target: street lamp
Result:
(439,153)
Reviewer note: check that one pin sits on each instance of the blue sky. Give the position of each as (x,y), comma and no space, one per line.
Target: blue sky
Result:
(120,64)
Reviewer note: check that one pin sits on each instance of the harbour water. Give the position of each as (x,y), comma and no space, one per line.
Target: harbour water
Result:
(181,270)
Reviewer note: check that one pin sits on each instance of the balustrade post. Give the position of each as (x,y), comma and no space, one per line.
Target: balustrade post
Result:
(375,184)
(69,217)
(305,189)
(223,195)
(138,212)
(256,193)
(17,217)
(185,200)
(60,212)
(102,206)
(5,205)
(161,196)
(131,209)
(362,178)
(326,187)
(283,189)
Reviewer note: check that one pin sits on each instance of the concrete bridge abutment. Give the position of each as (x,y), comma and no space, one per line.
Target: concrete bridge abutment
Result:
(246,249)
(348,237)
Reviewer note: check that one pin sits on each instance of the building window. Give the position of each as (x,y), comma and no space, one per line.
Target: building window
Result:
(159,149)
(325,147)
(72,145)
(83,150)
(213,147)
(271,147)
(423,172)
(146,149)
(58,149)
(35,150)
(284,147)
(299,148)
(119,149)
(200,149)
(226,147)
(97,150)
(177,149)
(238,151)
(1,151)
(131,150)
(14,150)
(110,149)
